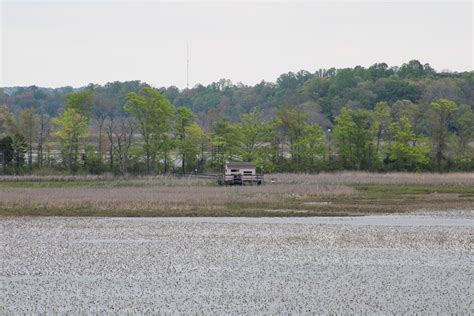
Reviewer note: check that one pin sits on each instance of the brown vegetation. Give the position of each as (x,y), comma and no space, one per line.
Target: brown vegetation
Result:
(161,198)
(356,177)
(338,194)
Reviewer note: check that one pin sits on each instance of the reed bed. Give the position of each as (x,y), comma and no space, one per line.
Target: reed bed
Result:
(104,180)
(324,194)
(357,177)
(344,177)
(162,197)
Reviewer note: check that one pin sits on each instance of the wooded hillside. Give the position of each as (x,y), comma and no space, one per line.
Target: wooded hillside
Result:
(377,118)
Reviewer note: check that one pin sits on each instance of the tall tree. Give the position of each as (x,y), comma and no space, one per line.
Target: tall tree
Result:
(255,133)
(198,140)
(44,130)
(19,147)
(123,138)
(354,139)
(291,124)
(110,129)
(82,102)
(8,124)
(404,152)
(72,127)
(104,107)
(184,118)
(6,152)
(28,127)
(310,147)
(441,116)
(154,114)
(464,124)
(225,142)
(380,123)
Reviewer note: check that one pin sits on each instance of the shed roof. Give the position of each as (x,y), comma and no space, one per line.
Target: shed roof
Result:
(238,165)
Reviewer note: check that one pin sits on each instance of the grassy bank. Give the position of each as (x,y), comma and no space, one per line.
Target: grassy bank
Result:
(340,194)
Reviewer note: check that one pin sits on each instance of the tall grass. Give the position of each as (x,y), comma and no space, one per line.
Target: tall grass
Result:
(354,177)
(345,177)
(324,193)
(164,197)
(102,180)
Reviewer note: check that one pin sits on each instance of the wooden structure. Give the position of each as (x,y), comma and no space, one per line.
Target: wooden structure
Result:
(240,173)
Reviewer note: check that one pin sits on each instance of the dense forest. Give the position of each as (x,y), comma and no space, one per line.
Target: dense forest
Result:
(380,118)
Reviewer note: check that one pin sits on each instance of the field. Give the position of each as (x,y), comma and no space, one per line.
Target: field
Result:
(338,194)
(402,264)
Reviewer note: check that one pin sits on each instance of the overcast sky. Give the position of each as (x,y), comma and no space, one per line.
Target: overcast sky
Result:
(54,44)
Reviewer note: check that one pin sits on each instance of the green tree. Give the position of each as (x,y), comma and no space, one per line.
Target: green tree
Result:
(291,125)
(415,70)
(92,160)
(28,127)
(8,123)
(163,146)
(255,133)
(154,114)
(82,102)
(380,70)
(464,123)
(225,143)
(404,152)
(197,142)
(6,152)
(123,135)
(441,116)
(310,147)
(72,128)
(105,107)
(381,119)
(343,135)
(19,147)
(44,129)
(353,139)
(187,150)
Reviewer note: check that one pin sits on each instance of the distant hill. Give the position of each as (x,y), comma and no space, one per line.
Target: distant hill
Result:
(321,94)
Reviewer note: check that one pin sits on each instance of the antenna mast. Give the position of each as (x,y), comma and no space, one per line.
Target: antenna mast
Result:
(187,66)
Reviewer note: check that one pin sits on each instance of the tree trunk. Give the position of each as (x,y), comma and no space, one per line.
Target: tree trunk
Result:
(182,163)
(111,155)
(30,154)
(379,135)
(4,162)
(40,152)
(101,125)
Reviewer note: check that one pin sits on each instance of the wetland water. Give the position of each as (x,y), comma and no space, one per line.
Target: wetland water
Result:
(372,264)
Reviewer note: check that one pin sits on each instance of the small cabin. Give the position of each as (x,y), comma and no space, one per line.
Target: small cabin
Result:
(240,168)
(240,173)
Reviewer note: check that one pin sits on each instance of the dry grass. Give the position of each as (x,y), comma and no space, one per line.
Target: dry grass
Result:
(163,198)
(353,177)
(101,181)
(345,193)
(345,177)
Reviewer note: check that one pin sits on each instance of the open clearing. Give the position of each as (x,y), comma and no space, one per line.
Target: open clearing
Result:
(374,264)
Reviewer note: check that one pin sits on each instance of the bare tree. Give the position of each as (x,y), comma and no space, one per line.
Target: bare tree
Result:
(44,130)
(124,135)
(28,126)
(104,108)
(110,127)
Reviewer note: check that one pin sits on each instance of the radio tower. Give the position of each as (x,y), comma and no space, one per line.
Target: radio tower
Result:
(187,66)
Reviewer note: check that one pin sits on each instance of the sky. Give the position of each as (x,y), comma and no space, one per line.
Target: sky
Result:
(60,43)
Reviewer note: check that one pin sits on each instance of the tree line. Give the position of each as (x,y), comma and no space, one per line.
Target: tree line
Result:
(378,118)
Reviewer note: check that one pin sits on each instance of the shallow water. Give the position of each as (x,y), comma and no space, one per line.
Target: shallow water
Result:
(388,220)
(372,264)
